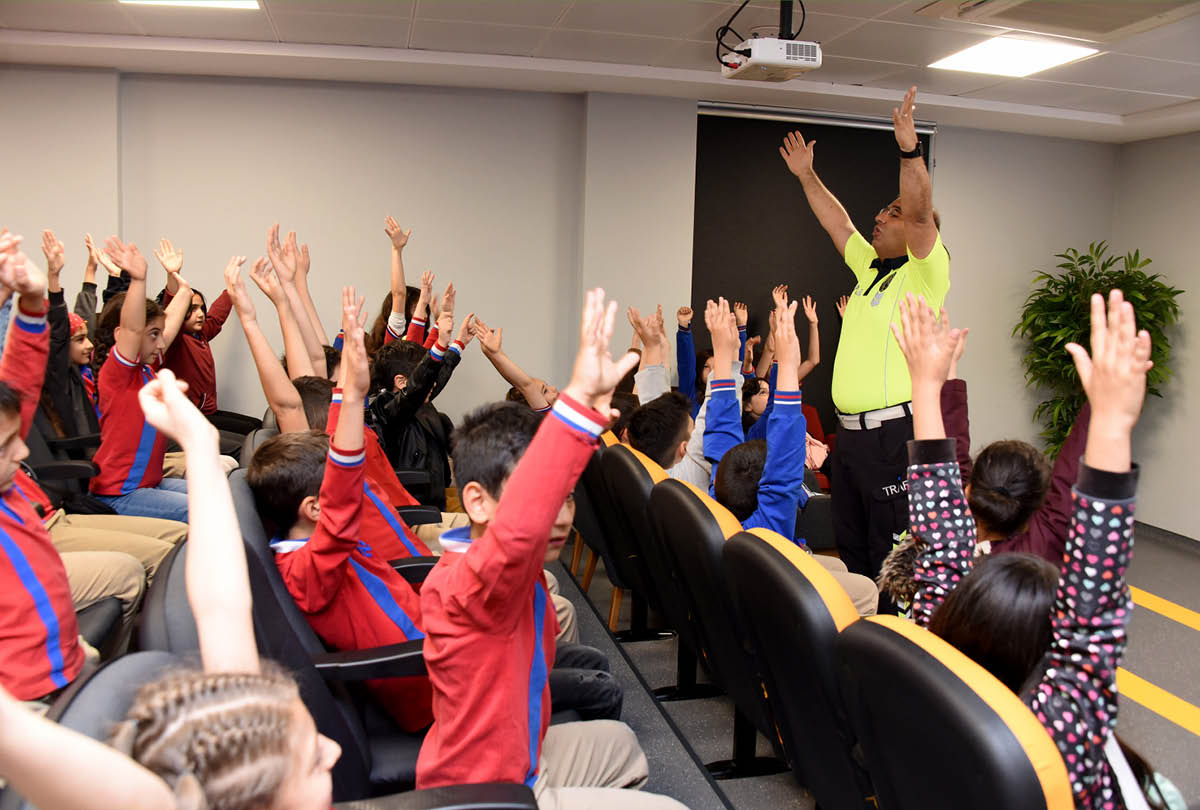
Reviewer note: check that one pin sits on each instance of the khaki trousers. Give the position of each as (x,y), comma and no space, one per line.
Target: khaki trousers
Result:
(588,765)
(147,539)
(862,590)
(568,625)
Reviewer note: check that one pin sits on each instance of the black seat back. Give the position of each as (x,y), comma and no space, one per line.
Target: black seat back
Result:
(167,620)
(792,610)
(595,519)
(694,528)
(254,439)
(938,730)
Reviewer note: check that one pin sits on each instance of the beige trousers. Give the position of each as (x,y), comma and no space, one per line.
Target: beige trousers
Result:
(568,625)
(97,575)
(147,539)
(586,765)
(862,590)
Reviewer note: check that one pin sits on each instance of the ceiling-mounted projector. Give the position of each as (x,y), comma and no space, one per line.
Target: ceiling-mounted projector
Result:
(767,59)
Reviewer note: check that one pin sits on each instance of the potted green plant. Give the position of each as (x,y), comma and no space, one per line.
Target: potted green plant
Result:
(1057,313)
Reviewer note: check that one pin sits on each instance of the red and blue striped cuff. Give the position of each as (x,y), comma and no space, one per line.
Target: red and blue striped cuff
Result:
(347,458)
(116,353)
(32,322)
(719,386)
(457,347)
(787,397)
(585,420)
(437,352)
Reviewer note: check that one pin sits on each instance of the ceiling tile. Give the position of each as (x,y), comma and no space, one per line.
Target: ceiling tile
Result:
(863,9)
(209,23)
(382,8)
(342,29)
(942,82)
(75,16)
(1131,73)
(1075,97)
(689,55)
(842,70)
(597,47)
(895,42)
(1179,41)
(817,27)
(515,40)
(664,18)
(505,12)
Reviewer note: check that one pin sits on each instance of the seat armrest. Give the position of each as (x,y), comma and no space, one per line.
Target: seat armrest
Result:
(417,515)
(65,471)
(414,569)
(413,478)
(87,441)
(234,422)
(389,661)
(484,796)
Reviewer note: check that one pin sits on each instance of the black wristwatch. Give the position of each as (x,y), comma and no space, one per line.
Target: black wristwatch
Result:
(918,152)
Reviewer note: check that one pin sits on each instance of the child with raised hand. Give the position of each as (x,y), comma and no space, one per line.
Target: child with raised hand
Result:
(310,493)
(761,482)
(189,356)
(535,392)
(485,604)
(68,396)
(131,451)
(1055,637)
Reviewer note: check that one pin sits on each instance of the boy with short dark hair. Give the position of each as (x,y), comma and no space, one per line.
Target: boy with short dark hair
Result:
(761,482)
(352,598)
(488,621)
(661,429)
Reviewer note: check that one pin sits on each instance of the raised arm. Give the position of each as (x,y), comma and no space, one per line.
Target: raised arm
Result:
(685,354)
(179,290)
(798,156)
(282,396)
(35,753)
(814,340)
(85,301)
(23,361)
(133,310)
(303,265)
(172,261)
(284,259)
(355,375)
(723,423)
(916,190)
(514,375)
(298,362)
(218,583)
(399,239)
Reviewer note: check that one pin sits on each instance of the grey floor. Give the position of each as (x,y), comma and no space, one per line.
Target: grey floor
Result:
(1161,651)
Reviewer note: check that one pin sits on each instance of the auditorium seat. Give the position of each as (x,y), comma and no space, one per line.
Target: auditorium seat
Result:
(694,528)
(95,703)
(631,476)
(792,610)
(937,730)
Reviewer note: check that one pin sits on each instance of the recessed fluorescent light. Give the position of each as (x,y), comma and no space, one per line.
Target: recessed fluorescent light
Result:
(1012,56)
(242,4)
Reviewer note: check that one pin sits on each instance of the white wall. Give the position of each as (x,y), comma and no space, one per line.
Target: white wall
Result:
(1157,202)
(488,181)
(1008,204)
(59,143)
(639,200)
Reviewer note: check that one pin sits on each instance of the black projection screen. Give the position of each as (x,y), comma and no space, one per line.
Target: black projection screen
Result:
(753,227)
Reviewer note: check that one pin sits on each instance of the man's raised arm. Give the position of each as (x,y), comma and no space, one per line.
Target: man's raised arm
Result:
(916,190)
(798,156)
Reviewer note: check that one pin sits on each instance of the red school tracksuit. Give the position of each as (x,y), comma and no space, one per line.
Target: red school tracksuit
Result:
(352,598)
(39,637)
(131,449)
(489,624)
(191,359)
(383,530)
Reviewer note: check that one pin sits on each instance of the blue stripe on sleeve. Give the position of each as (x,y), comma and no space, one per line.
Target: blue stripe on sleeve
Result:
(387,603)
(41,603)
(391,517)
(538,674)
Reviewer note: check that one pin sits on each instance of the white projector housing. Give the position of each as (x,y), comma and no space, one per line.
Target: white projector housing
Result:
(772,60)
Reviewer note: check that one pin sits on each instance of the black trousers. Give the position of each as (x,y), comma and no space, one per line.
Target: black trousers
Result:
(580,682)
(870,493)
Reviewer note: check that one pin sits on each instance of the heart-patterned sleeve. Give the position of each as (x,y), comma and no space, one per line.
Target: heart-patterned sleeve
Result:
(939,517)
(1076,700)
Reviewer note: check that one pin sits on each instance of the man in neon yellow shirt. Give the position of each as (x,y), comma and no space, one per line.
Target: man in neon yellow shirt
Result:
(871,386)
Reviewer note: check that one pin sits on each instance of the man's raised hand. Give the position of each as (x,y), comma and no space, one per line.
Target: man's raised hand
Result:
(52,249)
(126,257)
(797,154)
(902,119)
(170,258)
(596,373)
(398,236)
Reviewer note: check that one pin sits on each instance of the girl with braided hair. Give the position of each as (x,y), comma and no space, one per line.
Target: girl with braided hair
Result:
(232,736)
